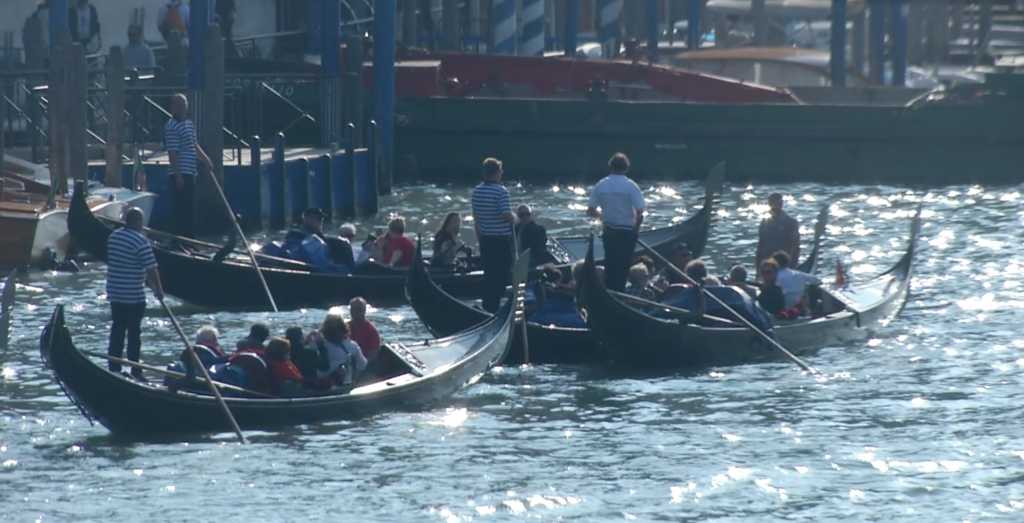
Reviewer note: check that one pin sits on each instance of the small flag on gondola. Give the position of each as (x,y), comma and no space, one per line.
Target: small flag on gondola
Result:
(140,173)
(840,274)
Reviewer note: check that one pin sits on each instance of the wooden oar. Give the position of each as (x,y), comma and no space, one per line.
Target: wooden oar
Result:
(792,357)
(172,373)
(248,248)
(206,375)
(515,295)
(198,243)
(7,308)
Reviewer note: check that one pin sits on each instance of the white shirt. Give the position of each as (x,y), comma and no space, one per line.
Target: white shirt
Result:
(338,355)
(620,200)
(793,284)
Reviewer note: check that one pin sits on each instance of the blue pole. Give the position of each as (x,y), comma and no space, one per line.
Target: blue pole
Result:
(837,62)
(857,42)
(693,25)
(611,13)
(653,32)
(58,20)
(330,37)
(200,19)
(900,11)
(313,26)
(533,27)
(384,19)
(503,26)
(572,26)
(876,36)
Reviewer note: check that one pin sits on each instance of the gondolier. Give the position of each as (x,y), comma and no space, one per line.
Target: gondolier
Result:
(492,220)
(620,205)
(183,151)
(130,264)
(778,232)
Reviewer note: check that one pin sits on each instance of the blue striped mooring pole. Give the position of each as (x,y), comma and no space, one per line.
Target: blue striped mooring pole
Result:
(611,14)
(572,26)
(653,31)
(693,35)
(533,27)
(876,36)
(503,26)
(900,12)
(58,18)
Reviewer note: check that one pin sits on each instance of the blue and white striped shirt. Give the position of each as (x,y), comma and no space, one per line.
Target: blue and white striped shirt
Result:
(490,201)
(180,136)
(129,256)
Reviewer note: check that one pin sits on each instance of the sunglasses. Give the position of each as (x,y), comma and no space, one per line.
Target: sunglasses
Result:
(524,214)
(768,271)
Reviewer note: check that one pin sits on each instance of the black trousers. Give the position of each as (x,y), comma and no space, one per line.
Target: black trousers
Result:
(183,214)
(619,245)
(496,252)
(126,319)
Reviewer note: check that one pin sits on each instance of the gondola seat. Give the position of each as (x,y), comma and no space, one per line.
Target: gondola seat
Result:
(257,375)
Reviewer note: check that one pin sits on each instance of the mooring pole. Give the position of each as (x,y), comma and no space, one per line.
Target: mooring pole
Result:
(330,73)
(693,25)
(58,20)
(201,17)
(611,18)
(900,12)
(115,116)
(503,27)
(313,27)
(572,26)
(384,21)
(209,210)
(533,27)
(837,60)
(78,108)
(876,32)
(653,30)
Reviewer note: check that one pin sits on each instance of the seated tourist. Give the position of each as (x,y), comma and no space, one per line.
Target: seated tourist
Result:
(206,347)
(307,359)
(771,298)
(727,302)
(446,241)
(258,334)
(362,331)
(738,278)
(531,235)
(638,283)
(341,247)
(370,249)
(307,244)
(285,378)
(312,225)
(338,353)
(794,283)
(396,249)
(681,256)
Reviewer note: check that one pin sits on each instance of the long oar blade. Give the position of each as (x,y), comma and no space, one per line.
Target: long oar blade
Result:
(7,310)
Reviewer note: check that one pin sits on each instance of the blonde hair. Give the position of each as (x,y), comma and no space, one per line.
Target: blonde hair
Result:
(397,225)
(638,271)
(278,349)
(334,327)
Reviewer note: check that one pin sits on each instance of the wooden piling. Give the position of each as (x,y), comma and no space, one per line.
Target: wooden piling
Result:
(210,212)
(55,112)
(939,31)
(956,17)
(35,59)
(984,28)
(77,98)
(915,32)
(760,20)
(115,116)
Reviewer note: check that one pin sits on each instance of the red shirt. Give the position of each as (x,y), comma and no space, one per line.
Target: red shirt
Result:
(403,244)
(282,371)
(366,336)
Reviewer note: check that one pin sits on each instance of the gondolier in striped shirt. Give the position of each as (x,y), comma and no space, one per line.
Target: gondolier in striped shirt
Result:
(620,205)
(130,264)
(183,151)
(492,221)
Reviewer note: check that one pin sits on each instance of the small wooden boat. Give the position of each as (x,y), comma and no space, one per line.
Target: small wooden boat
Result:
(429,371)
(443,315)
(637,339)
(29,226)
(232,283)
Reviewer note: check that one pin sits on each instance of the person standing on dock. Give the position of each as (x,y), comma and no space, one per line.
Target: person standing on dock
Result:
(492,221)
(620,205)
(183,151)
(778,232)
(130,265)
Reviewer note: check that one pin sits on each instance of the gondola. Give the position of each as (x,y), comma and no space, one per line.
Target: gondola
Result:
(444,314)
(219,282)
(428,372)
(637,339)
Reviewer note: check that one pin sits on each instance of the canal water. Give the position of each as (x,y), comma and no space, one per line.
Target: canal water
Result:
(921,422)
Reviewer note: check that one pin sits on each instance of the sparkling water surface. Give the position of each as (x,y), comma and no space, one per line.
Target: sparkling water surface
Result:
(922,422)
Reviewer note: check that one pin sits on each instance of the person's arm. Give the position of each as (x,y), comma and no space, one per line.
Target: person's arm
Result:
(357,355)
(506,208)
(639,206)
(592,210)
(794,250)
(395,256)
(148,261)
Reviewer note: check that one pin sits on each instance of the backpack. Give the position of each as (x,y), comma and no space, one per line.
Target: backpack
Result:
(173,20)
